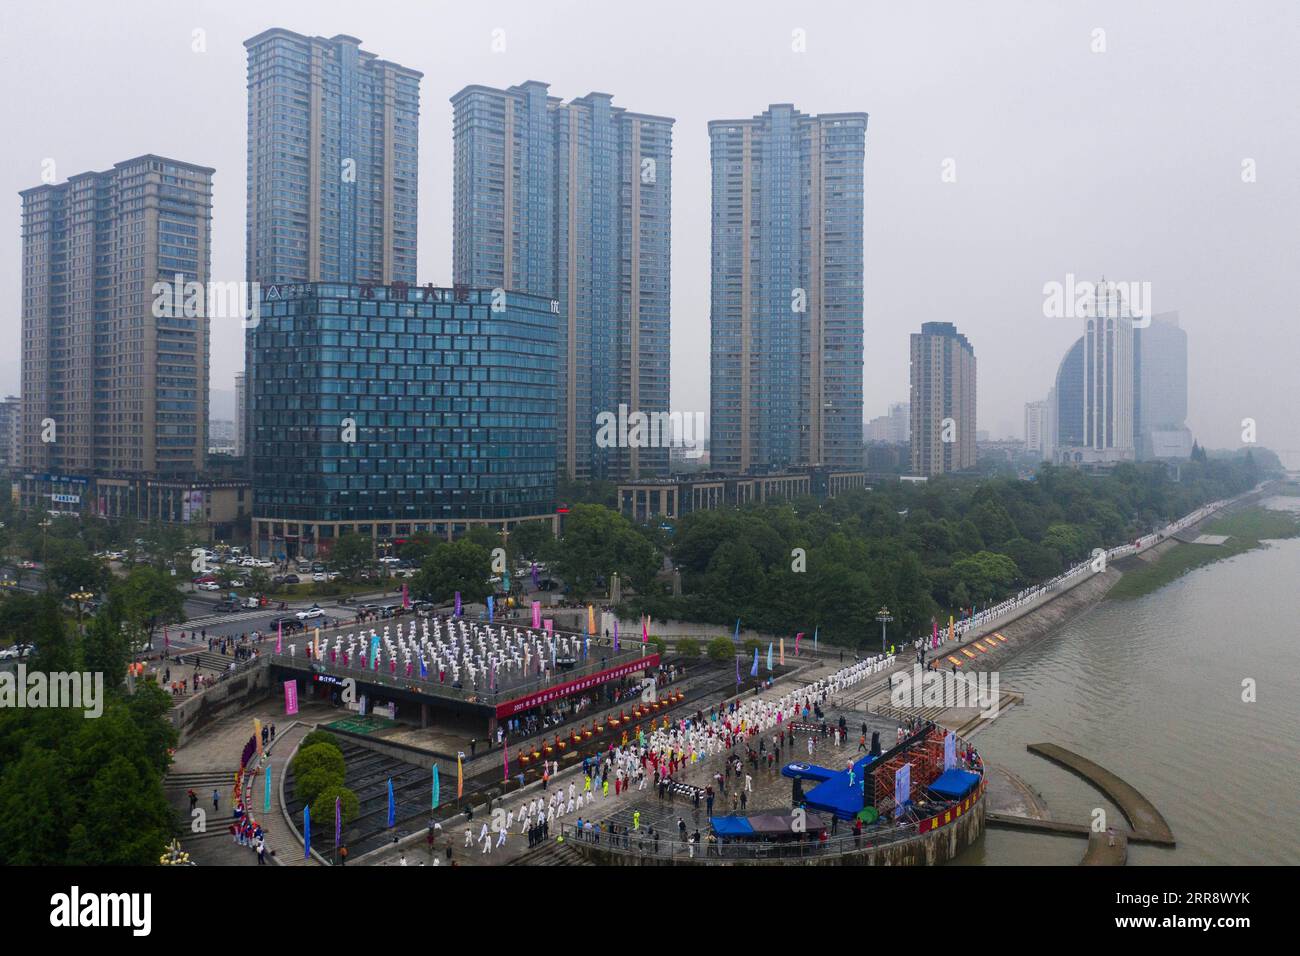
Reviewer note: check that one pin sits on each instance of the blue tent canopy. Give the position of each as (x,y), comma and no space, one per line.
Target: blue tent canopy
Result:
(731,826)
(955,784)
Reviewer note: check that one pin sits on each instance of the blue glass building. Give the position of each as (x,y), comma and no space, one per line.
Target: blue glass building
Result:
(787,292)
(573,201)
(391,410)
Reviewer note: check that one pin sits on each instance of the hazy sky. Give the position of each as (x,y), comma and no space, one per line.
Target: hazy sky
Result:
(1126,162)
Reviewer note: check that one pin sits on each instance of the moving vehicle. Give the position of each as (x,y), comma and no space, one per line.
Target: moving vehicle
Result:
(309,614)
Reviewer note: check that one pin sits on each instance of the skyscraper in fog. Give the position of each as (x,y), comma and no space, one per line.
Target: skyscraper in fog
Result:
(573,201)
(1037,439)
(112,384)
(787,290)
(333,162)
(943,400)
(1160,363)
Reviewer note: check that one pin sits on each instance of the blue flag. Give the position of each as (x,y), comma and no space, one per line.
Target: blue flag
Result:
(435,786)
(769,657)
(489,608)
(306,831)
(267,808)
(735,638)
(753,671)
(615,633)
(392,809)
(816,630)
(737,670)
(424,668)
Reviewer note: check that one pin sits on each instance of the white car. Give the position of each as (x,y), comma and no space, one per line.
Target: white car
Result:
(320,576)
(263,564)
(248,563)
(208,586)
(310,614)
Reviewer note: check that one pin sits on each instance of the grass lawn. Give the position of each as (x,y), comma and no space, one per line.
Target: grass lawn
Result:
(1246,531)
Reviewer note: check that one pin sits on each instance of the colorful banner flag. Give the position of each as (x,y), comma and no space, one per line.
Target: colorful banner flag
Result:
(338,821)
(591,619)
(737,670)
(753,671)
(315,643)
(781,659)
(505,751)
(257,735)
(291,697)
(735,638)
(279,637)
(306,831)
(816,631)
(460,775)
(645,629)
(406,596)
(489,608)
(797,638)
(769,657)
(267,807)
(537,614)
(549,625)
(615,633)
(532,569)
(392,806)
(435,786)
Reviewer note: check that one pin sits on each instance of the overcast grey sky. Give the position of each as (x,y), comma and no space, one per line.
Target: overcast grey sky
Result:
(1126,162)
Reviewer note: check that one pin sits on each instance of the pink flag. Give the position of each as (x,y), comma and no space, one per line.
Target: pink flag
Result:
(548,624)
(505,750)
(279,638)
(291,697)
(406,597)
(645,628)
(796,643)
(537,614)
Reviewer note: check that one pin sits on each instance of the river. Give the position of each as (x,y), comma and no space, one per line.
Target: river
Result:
(1152,689)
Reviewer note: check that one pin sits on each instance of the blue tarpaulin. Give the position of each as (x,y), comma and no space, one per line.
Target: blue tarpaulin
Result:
(955,784)
(731,826)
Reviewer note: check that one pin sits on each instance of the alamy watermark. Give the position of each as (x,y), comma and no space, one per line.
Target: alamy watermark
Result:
(638,429)
(39,690)
(937,688)
(1074,299)
(210,300)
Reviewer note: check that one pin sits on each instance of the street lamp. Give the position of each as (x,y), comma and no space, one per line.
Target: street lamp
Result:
(81,597)
(884,617)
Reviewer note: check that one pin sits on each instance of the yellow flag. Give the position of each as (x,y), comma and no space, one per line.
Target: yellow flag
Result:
(951,629)
(783,652)
(460,780)
(257,733)
(591,619)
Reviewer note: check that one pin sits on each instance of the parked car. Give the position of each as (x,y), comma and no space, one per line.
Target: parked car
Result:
(209,586)
(292,579)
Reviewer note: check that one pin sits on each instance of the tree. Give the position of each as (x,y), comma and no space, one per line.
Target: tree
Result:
(454,566)
(322,808)
(75,570)
(350,555)
(721,649)
(314,782)
(147,598)
(319,756)
(533,540)
(688,647)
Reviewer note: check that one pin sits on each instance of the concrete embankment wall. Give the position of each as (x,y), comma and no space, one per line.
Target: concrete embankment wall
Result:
(926,849)
(232,694)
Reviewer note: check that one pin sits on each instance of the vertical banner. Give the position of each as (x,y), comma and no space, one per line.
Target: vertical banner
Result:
(537,614)
(769,657)
(267,807)
(949,751)
(549,625)
(338,820)
(460,775)
(645,629)
(753,671)
(615,633)
(257,735)
(797,638)
(737,670)
(306,831)
(392,805)
(315,643)
(816,630)
(291,697)
(735,638)
(435,786)
(279,637)
(489,603)
(781,659)
(902,788)
(406,596)
(591,619)
(458,604)
(505,751)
